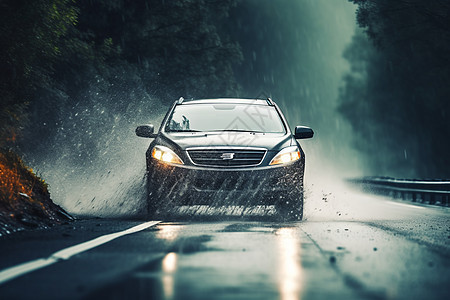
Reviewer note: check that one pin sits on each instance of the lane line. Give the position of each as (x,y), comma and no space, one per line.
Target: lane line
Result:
(64,254)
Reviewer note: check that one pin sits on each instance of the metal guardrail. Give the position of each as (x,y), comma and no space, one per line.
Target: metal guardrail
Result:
(436,192)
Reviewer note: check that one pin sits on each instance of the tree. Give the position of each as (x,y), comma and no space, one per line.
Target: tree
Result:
(30,34)
(177,45)
(401,116)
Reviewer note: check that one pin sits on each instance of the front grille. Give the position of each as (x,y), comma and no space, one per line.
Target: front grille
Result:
(227,157)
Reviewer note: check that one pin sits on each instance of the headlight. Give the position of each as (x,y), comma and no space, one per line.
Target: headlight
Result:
(286,155)
(166,155)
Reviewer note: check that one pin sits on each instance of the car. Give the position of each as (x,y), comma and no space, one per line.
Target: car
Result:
(223,152)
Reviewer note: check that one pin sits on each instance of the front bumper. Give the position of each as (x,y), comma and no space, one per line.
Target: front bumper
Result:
(198,185)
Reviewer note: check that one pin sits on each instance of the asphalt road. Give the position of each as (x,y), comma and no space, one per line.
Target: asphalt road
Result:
(350,246)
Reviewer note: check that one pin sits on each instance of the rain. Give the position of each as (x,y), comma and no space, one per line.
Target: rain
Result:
(104,150)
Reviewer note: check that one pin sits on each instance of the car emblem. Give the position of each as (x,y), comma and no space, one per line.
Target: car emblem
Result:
(227,156)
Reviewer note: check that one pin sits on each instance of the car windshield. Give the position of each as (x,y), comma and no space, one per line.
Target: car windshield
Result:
(225,117)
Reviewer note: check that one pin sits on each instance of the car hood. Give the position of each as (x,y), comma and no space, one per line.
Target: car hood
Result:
(270,141)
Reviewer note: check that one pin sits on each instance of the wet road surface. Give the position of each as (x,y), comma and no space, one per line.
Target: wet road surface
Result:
(363,247)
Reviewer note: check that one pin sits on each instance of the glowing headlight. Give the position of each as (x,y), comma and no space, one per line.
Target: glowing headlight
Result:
(166,155)
(286,155)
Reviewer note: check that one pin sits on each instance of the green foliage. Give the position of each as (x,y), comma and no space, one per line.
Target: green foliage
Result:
(30,33)
(177,45)
(396,96)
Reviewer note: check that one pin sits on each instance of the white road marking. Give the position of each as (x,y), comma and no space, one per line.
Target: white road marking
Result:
(22,269)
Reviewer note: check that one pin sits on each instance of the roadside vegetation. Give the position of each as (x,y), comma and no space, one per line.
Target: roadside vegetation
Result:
(24,198)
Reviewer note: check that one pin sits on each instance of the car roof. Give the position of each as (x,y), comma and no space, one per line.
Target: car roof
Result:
(227,101)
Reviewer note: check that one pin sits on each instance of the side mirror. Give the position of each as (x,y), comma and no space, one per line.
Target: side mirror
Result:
(146,131)
(302,132)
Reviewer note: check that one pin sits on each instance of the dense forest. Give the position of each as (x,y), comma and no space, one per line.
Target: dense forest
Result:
(397,94)
(75,75)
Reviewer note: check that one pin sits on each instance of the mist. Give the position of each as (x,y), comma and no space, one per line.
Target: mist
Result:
(95,164)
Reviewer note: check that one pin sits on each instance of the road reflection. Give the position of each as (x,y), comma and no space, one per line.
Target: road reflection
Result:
(169,232)
(169,267)
(290,275)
